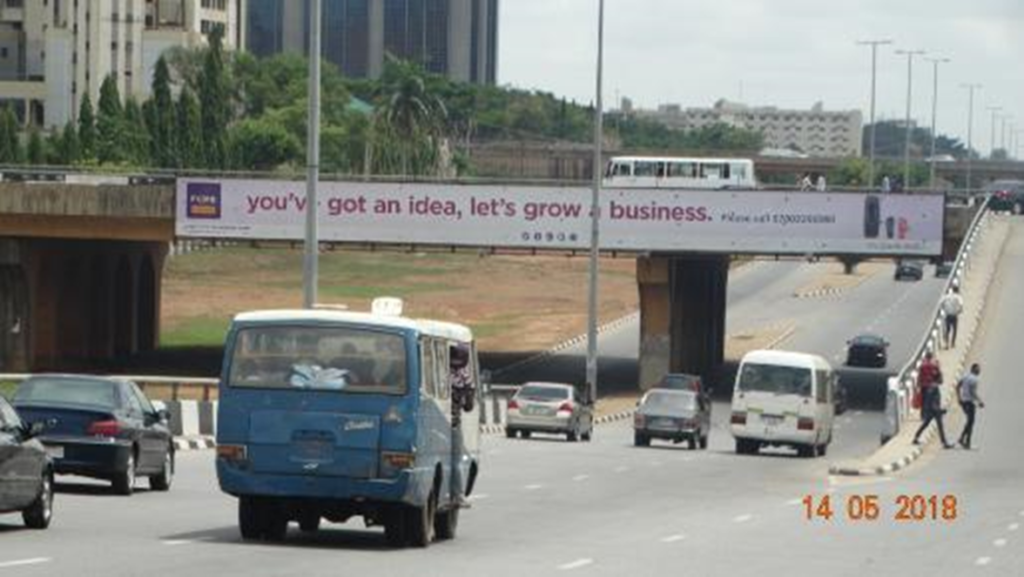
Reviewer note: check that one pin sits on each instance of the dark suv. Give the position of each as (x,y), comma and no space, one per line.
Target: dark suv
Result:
(1007,195)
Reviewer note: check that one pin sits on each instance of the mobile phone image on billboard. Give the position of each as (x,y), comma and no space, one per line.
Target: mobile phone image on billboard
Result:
(872,216)
(890,227)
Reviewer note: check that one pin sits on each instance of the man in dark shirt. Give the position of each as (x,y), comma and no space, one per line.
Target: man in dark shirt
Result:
(929,379)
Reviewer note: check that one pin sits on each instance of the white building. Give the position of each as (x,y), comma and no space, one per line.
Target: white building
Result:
(53,52)
(815,132)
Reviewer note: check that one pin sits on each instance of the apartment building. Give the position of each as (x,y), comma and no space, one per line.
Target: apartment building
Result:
(53,52)
(457,38)
(815,132)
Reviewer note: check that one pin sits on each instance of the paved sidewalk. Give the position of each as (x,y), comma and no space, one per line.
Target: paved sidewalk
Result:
(900,451)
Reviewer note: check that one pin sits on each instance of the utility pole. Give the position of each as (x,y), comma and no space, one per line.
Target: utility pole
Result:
(874,44)
(595,215)
(310,269)
(992,146)
(970,129)
(910,84)
(935,111)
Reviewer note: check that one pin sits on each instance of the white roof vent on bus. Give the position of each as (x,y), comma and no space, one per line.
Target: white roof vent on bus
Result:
(330,307)
(387,306)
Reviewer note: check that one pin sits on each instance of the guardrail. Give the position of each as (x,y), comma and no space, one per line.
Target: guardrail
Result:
(900,388)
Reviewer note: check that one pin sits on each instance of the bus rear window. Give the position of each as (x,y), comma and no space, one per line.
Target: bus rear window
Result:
(346,359)
(776,379)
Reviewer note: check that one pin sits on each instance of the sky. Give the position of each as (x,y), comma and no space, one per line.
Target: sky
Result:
(784,53)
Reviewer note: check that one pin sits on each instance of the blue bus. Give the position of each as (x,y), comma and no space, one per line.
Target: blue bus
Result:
(328,414)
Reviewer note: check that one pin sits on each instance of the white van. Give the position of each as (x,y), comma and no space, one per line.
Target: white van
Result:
(783,399)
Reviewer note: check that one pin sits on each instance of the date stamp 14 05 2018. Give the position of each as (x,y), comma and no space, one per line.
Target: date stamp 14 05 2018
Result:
(872,508)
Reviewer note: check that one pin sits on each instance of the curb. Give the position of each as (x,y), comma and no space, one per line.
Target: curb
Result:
(888,468)
(578,339)
(820,293)
(194,443)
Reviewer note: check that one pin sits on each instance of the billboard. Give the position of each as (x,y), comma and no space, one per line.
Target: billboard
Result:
(549,217)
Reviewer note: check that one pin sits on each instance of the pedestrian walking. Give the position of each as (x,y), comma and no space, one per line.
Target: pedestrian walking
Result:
(951,306)
(929,381)
(886,184)
(805,183)
(463,388)
(970,402)
(821,185)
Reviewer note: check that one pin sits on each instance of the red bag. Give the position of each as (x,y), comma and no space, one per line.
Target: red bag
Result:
(915,399)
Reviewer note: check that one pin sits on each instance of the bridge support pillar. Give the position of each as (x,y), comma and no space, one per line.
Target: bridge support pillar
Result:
(682,315)
(64,303)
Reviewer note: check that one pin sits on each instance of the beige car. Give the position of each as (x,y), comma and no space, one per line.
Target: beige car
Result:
(554,408)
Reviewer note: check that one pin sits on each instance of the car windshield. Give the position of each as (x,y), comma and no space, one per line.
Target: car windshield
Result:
(83,392)
(669,402)
(780,380)
(679,382)
(543,393)
(868,340)
(353,360)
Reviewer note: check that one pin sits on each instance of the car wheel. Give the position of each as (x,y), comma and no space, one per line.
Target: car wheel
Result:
(641,440)
(124,484)
(39,514)
(822,450)
(275,527)
(806,451)
(692,443)
(395,528)
(747,447)
(704,442)
(446,524)
(162,482)
(573,435)
(587,436)
(510,433)
(524,434)
(421,521)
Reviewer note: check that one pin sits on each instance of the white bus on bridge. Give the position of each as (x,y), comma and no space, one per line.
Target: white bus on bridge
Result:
(679,172)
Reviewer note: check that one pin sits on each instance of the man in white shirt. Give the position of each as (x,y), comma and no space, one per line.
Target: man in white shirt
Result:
(951,306)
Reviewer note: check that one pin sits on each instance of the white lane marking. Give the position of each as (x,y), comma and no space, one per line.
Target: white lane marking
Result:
(576,564)
(478,497)
(982,561)
(533,487)
(23,562)
(794,502)
(655,463)
(1013,527)
(621,469)
(579,478)
(858,413)
(999,542)
(742,518)
(673,538)
(178,542)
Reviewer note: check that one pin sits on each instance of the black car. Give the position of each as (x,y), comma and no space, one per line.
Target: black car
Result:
(103,428)
(909,269)
(841,399)
(867,351)
(672,415)
(26,473)
(1007,195)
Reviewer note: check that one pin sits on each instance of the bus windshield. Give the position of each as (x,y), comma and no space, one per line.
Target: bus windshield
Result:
(342,359)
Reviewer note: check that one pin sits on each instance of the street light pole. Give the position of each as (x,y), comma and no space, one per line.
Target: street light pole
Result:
(310,269)
(910,90)
(1002,138)
(970,130)
(992,146)
(595,215)
(874,44)
(935,112)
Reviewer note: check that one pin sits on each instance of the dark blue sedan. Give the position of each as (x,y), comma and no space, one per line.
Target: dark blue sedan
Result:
(103,428)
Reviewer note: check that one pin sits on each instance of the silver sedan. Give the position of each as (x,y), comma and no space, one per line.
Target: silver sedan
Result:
(549,408)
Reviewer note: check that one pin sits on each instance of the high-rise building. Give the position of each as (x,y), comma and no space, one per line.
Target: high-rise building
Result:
(457,38)
(53,52)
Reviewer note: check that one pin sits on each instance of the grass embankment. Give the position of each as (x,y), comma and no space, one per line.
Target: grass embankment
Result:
(7,389)
(513,303)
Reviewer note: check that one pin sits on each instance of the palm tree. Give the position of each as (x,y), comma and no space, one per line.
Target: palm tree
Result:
(409,116)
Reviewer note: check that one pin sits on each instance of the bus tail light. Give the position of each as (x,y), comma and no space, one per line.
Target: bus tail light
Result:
(233,453)
(399,460)
(805,424)
(739,418)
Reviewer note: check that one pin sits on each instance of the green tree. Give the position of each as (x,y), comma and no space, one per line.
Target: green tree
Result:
(110,144)
(162,117)
(189,130)
(70,148)
(410,117)
(214,98)
(86,129)
(261,145)
(136,134)
(35,152)
(8,154)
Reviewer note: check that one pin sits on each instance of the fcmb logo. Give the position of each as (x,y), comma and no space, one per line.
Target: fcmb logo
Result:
(203,200)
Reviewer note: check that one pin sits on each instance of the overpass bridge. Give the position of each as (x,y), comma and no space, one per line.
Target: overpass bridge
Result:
(81,266)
